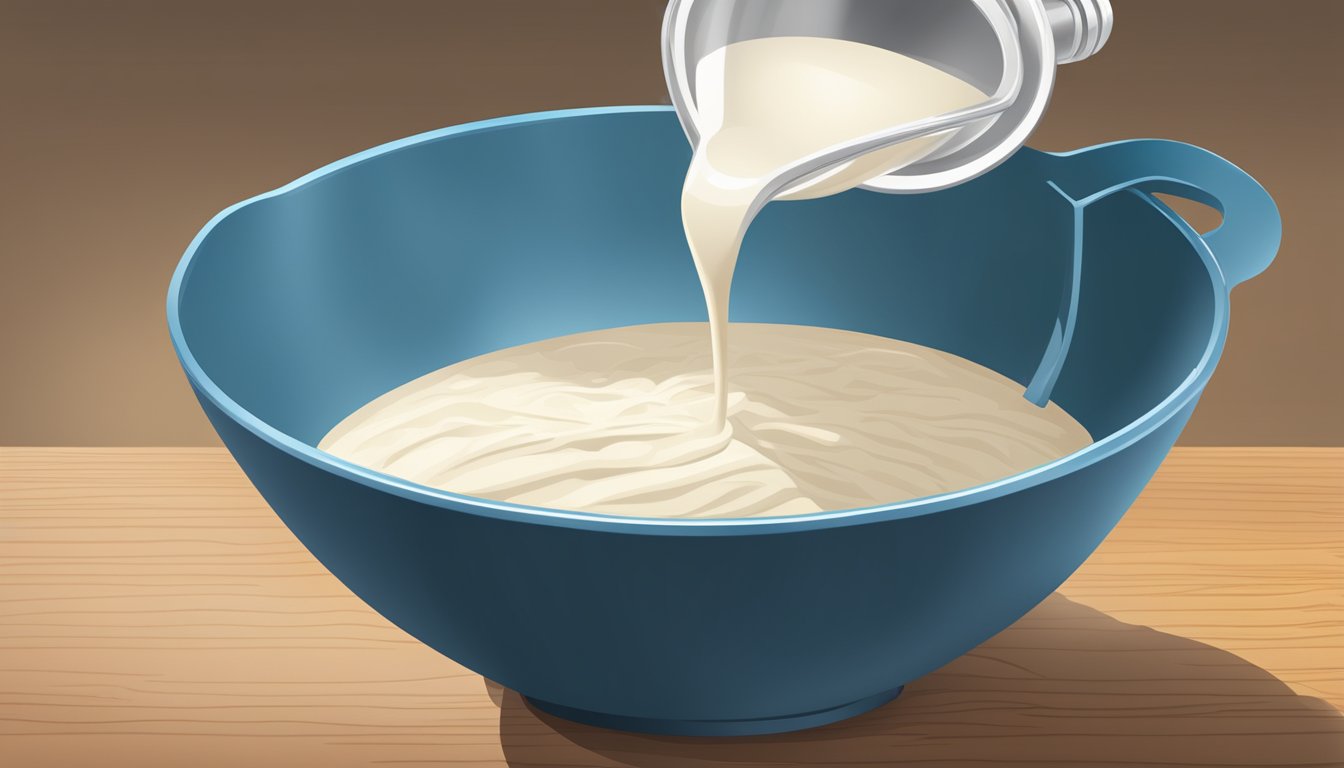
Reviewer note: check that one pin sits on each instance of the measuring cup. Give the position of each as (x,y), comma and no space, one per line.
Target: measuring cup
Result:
(1007,49)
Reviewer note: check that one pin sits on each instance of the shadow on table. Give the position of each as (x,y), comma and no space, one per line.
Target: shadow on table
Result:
(1066,685)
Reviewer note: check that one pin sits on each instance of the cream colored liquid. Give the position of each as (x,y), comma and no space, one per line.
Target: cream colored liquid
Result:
(642,421)
(767,103)
(613,421)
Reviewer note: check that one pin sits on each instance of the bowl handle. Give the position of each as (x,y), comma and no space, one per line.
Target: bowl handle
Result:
(1243,245)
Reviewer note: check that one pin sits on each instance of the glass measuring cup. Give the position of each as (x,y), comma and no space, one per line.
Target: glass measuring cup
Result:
(1006,49)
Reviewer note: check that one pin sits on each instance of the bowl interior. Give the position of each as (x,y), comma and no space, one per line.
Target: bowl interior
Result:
(304,305)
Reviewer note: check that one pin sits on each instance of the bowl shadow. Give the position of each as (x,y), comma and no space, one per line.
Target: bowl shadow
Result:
(1065,685)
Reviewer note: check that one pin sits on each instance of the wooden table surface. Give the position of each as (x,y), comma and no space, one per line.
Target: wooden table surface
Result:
(154,612)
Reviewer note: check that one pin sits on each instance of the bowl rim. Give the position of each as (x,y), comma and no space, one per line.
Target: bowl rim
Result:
(1117,441)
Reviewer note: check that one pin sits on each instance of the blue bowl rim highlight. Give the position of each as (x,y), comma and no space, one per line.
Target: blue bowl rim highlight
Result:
(1099,450)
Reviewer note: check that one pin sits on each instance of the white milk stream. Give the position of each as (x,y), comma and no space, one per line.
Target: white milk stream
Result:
(766,104)
(642,420)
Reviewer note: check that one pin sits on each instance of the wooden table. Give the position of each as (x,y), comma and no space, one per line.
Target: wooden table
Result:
(154,612)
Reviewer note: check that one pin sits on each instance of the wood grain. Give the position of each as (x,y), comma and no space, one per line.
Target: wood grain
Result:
(154,612)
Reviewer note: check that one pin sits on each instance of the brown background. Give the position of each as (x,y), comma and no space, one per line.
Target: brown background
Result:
(125,126)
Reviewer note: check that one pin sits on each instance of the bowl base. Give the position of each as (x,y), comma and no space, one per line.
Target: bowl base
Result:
(717,727)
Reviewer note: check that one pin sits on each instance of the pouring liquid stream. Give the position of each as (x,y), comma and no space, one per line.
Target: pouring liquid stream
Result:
(768,103)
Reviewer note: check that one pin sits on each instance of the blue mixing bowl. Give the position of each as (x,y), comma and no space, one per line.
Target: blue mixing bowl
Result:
(292,309)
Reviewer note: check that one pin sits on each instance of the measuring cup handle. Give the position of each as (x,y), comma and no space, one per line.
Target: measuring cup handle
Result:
(1243,245)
